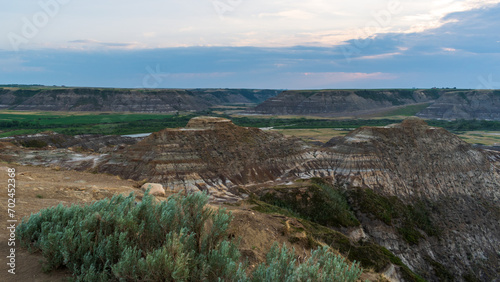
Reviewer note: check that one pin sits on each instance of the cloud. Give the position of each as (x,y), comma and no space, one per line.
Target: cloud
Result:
(289,14)
(379,56)
(90,43)
(326,79)
(457,53)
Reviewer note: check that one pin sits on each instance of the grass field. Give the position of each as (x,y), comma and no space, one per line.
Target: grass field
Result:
(52,118)
(319,134)
(489,138)
(72,123)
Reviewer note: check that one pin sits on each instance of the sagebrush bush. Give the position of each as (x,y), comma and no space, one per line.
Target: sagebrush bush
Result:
(322,265)
(181,239)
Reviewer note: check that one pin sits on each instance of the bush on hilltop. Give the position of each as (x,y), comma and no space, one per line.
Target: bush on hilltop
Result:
(181,239)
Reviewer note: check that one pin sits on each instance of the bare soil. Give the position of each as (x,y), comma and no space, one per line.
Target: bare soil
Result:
(38,188)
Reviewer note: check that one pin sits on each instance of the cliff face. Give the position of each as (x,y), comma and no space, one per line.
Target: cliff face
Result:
(208,153)
(483,104)
(341,102)
(126,100)
(455,185)
(444,103)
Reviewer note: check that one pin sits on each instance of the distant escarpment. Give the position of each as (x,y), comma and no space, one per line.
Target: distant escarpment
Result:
(343,102)
(208,153)
(474,104)
(447,104)
(421,192)
(126,100)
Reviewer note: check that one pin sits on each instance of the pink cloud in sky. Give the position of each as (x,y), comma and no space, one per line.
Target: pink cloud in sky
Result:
(324,79)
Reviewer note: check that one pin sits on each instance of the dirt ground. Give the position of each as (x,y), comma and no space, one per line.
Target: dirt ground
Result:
(38,188)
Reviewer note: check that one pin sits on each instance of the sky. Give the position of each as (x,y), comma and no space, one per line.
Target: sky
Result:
(315,44)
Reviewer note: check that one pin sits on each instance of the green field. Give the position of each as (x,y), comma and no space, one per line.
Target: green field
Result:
(13,123)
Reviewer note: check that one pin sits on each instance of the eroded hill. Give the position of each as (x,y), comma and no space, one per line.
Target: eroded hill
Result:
(208,153)
(473,104)
(343,102)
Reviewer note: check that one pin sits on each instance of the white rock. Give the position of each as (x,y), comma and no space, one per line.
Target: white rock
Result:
(155,189)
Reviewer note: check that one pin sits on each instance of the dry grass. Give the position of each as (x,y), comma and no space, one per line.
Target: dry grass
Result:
(481,137)
(313,134)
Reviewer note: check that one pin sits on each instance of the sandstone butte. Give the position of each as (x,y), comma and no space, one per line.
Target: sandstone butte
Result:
(409,162)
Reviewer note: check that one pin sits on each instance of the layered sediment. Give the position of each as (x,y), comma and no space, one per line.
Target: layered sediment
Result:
(208,153)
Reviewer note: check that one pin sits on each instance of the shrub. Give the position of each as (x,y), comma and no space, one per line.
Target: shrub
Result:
(321,203)
(322,265)
(117,239)
(392,211)
(34,143)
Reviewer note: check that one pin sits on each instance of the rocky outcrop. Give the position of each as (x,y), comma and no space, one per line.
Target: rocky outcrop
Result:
(56,158)
(208,154)
(342,102)
(473,104)
(87,142)
(456,184)
(154,189)
(126,100)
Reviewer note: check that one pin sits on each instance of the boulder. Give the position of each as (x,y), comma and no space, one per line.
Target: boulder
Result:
(155,189)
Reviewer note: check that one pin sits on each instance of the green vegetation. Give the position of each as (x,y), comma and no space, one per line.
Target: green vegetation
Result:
(22,95)
(466,125)
(117,239)
(322,265)
(180,239)
(441,271)
(406,111)
(463,96)
(13,123)
(396,97)
(320,203)
(433,93)
(368,254)
(74,123)
(392,211)
(34,143)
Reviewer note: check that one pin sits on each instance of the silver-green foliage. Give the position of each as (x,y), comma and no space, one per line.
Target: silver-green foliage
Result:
(181,239)
(322,265)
